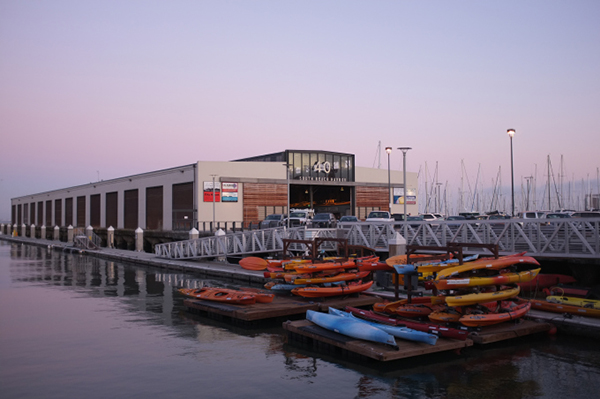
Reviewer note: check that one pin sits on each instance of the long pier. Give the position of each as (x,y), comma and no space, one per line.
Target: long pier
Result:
(567,238)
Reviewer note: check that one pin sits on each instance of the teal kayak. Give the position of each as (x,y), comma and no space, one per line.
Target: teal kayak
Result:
(350,327)
(399,332)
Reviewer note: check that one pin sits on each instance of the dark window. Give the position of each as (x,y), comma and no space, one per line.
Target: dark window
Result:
(183,206)
(40,213)
(48,213)
(81,211)
(32,213)
(154,208)
(112,209)
(19,215)
(95,210)
(130,209)
(58,212)
(25,213)
(13,214)
(69,212)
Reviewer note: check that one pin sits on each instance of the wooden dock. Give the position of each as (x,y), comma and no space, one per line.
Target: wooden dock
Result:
(307,332)
(508,330)
(281,307)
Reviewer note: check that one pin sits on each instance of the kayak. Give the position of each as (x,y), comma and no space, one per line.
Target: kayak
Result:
(447,315)
(219,295)
(582,302)
(317,292)
(546,280)
(327,279)
(350,328)
(486,264)
(397,331)
(500,279)
(441,331)
(320,267)
(562,308)
(417,309)
(281,287)
(390,307)
(253,263)
(482,297)
(508,310)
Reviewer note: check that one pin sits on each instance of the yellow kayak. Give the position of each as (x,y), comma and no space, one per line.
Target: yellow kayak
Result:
(500,279)
(487,264)
(483,297)
(573,301)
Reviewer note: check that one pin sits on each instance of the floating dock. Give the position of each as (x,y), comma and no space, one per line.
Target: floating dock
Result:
(282,306)
(568,323)
(307,333)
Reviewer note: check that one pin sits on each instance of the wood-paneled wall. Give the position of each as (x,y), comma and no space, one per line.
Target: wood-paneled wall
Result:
(259,195)
(376,197)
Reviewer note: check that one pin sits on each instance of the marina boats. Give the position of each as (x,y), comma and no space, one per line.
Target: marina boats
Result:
(308,279)
(574,301)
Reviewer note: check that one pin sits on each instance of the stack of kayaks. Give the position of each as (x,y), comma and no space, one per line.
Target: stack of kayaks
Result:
(483,292)
(322,279)
(226,295)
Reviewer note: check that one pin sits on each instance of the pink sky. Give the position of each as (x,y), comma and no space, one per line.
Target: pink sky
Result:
(110,88)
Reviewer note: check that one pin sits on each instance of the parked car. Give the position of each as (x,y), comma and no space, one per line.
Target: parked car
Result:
(324,220)
(531,215)
(414,219)
(429,216)
(398,217)
(456,218)
(469,215)
(349,218)
(379,216)
(274,220)
(586,214)
(558,215)
(300,217)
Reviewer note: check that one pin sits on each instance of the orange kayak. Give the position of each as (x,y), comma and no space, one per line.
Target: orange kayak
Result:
(219,295)
(320,267)
(500,279)
(447,315)
(561,308)
(302,279)
(418,309)
(509,310)
(485,264)
(317,292)
(253,263)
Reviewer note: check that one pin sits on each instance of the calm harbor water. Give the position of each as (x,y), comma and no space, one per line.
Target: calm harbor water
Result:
(73,326)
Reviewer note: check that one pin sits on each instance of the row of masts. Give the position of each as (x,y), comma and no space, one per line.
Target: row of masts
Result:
(556,193)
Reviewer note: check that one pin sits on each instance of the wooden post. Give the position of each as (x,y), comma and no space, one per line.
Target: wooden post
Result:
(139,239)
(70,234)
(110,237)
(56,236)
(194,233)
(43,232)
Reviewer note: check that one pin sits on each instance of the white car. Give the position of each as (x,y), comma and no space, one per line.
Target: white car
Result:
(428,217)
(379,216)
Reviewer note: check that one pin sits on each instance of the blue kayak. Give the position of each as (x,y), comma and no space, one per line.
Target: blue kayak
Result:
(403,269)
(350,327)
(400,332)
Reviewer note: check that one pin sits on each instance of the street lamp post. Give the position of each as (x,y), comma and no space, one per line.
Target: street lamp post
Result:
(511,133)
(389,151)
(214,198)
(404,151)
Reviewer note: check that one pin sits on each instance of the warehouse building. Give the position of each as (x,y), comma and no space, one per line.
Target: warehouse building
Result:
(241,191)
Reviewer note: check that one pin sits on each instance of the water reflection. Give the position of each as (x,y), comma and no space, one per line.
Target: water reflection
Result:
(258,362)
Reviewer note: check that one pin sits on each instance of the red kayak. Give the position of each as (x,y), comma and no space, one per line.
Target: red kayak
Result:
(432,328)
(546,281)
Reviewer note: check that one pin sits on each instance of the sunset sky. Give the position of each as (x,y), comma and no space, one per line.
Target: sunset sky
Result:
(102,89)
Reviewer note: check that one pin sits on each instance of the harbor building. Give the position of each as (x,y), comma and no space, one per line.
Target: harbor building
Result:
(241,191)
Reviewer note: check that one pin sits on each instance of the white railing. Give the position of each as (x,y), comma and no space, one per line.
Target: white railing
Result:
(573,238)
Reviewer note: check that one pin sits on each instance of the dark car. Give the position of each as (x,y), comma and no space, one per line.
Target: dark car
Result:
(274,220)
(324,220)
(558,215)
(415,219)
(587,214)
(348,218)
